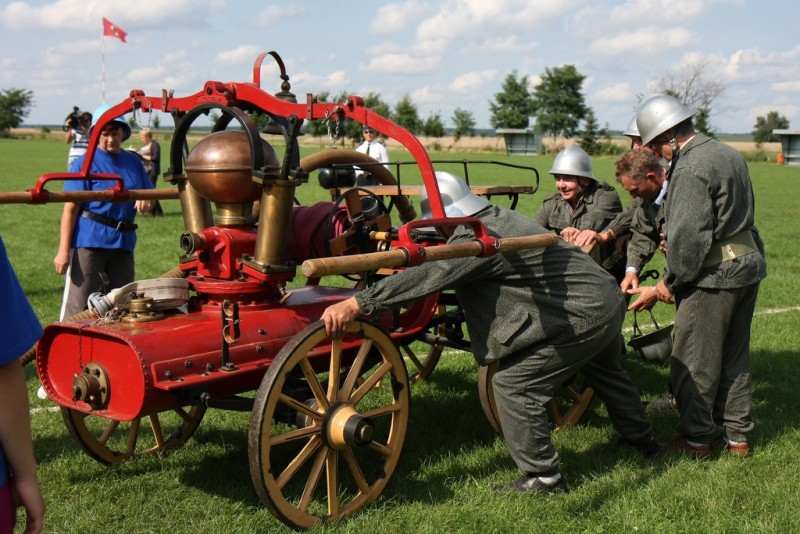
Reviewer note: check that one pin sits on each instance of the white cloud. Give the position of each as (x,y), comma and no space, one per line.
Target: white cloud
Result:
(278,13)
(394,17)
(242,54)
(83,14)
(643,42)
(402,64)
(619,92)
(471,81)
(426,95)
(792,86)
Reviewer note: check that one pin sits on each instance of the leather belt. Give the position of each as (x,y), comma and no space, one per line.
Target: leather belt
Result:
(736,246)
(122,226)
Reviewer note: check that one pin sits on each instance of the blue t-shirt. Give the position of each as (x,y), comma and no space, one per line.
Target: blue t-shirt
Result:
(19,329)
(92,234)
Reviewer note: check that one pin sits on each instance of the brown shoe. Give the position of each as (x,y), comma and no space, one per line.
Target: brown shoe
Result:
(740,448)
(681,446)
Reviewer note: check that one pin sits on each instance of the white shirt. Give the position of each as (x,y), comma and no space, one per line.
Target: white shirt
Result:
(376,150)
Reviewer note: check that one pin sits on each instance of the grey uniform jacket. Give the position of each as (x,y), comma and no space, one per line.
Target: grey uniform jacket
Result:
(511,301)
(646,226)
(599,206)
(710,199)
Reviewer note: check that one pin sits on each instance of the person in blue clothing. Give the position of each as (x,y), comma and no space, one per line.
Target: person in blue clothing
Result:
(19,483)
(98,237)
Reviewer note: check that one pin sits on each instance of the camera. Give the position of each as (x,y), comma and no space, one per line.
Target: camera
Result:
(73,120)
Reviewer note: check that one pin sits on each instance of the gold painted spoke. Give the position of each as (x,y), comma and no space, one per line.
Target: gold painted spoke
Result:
(380,448)
(183,414)
(313,383)
(355,471)
(335,368)
(411,356)
(355,370)
(382,410)
(297,462)
(313,478)
(300,407)
(133,435)
(370,382)
(294,435)
(332,468)
(110,427)
(155,423)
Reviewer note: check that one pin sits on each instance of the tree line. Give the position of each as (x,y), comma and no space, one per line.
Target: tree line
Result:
(555,106)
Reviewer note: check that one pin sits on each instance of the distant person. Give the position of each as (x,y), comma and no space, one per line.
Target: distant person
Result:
(20,330)
(98,237)
(151,157)
(374,149)
(582,203)
(78,135)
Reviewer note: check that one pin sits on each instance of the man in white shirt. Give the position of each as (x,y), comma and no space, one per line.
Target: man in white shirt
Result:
(374,149)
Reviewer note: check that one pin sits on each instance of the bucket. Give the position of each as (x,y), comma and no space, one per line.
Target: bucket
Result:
(655,346)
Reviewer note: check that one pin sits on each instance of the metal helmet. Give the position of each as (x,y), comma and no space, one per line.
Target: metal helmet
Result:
(631,130)
(655,346)
(573,161)
(102,109)
(458,199)
(659,113)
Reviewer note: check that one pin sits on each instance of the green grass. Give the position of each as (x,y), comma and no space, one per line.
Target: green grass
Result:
(451,458)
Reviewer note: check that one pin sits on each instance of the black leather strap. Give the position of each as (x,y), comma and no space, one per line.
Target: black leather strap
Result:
(122,226)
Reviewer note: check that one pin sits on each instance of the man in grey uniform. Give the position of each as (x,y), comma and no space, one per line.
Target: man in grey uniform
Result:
(714,264)
(542,314)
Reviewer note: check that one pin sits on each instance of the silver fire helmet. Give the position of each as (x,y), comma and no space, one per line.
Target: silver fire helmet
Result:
(659,113)
(655,346)
(457,198)
(573,161)
(631,130)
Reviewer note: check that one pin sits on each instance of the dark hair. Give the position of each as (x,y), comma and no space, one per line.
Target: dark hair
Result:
(636,164)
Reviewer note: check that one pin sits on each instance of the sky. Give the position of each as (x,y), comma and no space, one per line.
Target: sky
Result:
(444,54)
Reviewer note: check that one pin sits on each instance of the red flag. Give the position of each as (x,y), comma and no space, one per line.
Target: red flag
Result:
(112,30)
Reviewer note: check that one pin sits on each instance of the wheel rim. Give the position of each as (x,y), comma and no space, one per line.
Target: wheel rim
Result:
(113,442)
(565,410)
(308,459)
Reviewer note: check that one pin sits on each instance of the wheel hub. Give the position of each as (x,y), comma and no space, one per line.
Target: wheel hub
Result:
(91,386)
(344,427)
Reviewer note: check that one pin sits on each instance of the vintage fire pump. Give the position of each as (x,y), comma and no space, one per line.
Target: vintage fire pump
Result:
(135,375)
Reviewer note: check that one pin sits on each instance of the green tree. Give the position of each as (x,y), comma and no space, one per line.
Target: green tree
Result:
(762,130)
(433,126)
(156,121)
(588,141)
(15,104)
(559,106)
(406,114)
(701,122)
(512,106)
(464,123)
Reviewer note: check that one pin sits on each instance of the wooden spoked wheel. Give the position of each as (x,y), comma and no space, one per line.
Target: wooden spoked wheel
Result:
(566,409)
(113,442)
(328,424)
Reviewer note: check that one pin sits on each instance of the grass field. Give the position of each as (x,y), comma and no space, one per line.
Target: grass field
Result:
(451,457)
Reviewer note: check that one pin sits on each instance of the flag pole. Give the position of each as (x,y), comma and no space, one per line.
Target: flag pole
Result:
(103,41)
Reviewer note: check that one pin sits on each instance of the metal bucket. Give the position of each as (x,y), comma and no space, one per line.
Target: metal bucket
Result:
(655,346)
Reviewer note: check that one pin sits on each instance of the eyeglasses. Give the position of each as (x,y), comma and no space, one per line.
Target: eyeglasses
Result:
(657,142)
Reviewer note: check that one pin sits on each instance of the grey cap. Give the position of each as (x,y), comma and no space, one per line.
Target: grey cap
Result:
(573,161)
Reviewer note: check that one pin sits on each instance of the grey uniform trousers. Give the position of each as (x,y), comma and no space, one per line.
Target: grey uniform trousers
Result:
(710,368)
(524,382)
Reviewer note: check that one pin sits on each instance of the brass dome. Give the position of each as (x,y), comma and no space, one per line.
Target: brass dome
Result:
(220,167)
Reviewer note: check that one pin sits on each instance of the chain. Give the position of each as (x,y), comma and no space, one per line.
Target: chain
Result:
(333,133)
(139,121)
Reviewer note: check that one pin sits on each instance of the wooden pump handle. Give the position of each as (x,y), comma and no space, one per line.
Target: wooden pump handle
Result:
(318,267)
